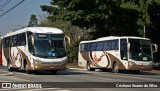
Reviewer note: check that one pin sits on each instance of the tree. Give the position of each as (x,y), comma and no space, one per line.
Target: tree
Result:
(33,21)
(108,17)
(83,13)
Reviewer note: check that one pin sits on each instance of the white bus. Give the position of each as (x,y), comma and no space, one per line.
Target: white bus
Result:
(35,48)
(117,53)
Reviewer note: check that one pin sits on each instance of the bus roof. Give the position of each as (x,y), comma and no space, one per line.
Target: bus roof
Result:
(112,38)
(48,30)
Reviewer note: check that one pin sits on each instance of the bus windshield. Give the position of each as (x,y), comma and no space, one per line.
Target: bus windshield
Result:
(49,45)
(140,50)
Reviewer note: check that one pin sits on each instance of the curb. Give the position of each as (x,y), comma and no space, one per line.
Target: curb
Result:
(7,74)
(153,71)
(77,69)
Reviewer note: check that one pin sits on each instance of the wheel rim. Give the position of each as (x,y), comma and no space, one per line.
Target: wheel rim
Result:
(115,69)
(8,66)
(88,66)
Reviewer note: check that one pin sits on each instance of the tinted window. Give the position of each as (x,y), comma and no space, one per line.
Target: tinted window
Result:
(82,47)
(21,39)
(99,46)
(111,45)
(93,47)
(87,47)
(15,40)
(10,41)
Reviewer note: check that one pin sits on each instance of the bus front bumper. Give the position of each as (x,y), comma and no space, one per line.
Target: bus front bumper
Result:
(49,66)
(141,67)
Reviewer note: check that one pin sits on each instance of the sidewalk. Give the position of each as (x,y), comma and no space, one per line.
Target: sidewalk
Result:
(4,72)
(155,71)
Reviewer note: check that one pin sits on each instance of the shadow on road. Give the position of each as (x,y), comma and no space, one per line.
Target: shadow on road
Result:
(141,73)
(130,72)
(64,72)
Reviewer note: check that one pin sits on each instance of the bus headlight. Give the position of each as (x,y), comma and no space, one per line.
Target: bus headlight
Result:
(132,63)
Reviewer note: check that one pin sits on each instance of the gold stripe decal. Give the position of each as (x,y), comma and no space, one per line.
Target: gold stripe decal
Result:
(105,60)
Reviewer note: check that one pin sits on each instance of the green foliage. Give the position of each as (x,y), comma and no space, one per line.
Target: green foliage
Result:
(72,52)
(33,21)
(101,18)
(82,13)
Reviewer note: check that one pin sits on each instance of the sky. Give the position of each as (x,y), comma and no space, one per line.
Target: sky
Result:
(20,15)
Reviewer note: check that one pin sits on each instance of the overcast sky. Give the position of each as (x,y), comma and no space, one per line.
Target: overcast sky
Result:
(21,14)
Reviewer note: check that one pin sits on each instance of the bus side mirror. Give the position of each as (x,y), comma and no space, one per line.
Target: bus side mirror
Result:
(32,39)
(68,39)
(128,46)
(154,47)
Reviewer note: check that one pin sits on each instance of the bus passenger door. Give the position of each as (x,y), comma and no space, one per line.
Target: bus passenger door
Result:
(124,52)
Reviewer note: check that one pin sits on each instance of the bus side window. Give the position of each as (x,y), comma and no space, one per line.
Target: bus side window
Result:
(82,47)
(15,40)
(106,46)
(18,40)
(23,39)
(114,45)
(87,47)
(4,43)
(93,47)
(99,46)
(10,41)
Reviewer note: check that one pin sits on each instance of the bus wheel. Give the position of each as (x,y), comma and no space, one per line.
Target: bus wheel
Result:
(27,69)
(115,68)
(89,67)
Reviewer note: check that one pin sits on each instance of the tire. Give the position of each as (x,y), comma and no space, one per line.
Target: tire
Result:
(115,68)
(27,69)
(88,66)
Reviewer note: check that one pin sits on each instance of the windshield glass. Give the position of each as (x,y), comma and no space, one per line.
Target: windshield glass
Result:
(140,50)
(49,45)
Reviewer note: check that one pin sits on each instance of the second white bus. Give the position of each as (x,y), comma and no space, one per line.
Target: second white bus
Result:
(117,53)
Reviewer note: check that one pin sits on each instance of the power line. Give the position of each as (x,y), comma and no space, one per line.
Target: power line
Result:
(12,8)
(1,0)
(5,3)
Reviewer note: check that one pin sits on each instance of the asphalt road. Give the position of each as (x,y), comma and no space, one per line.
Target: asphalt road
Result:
(82,80)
